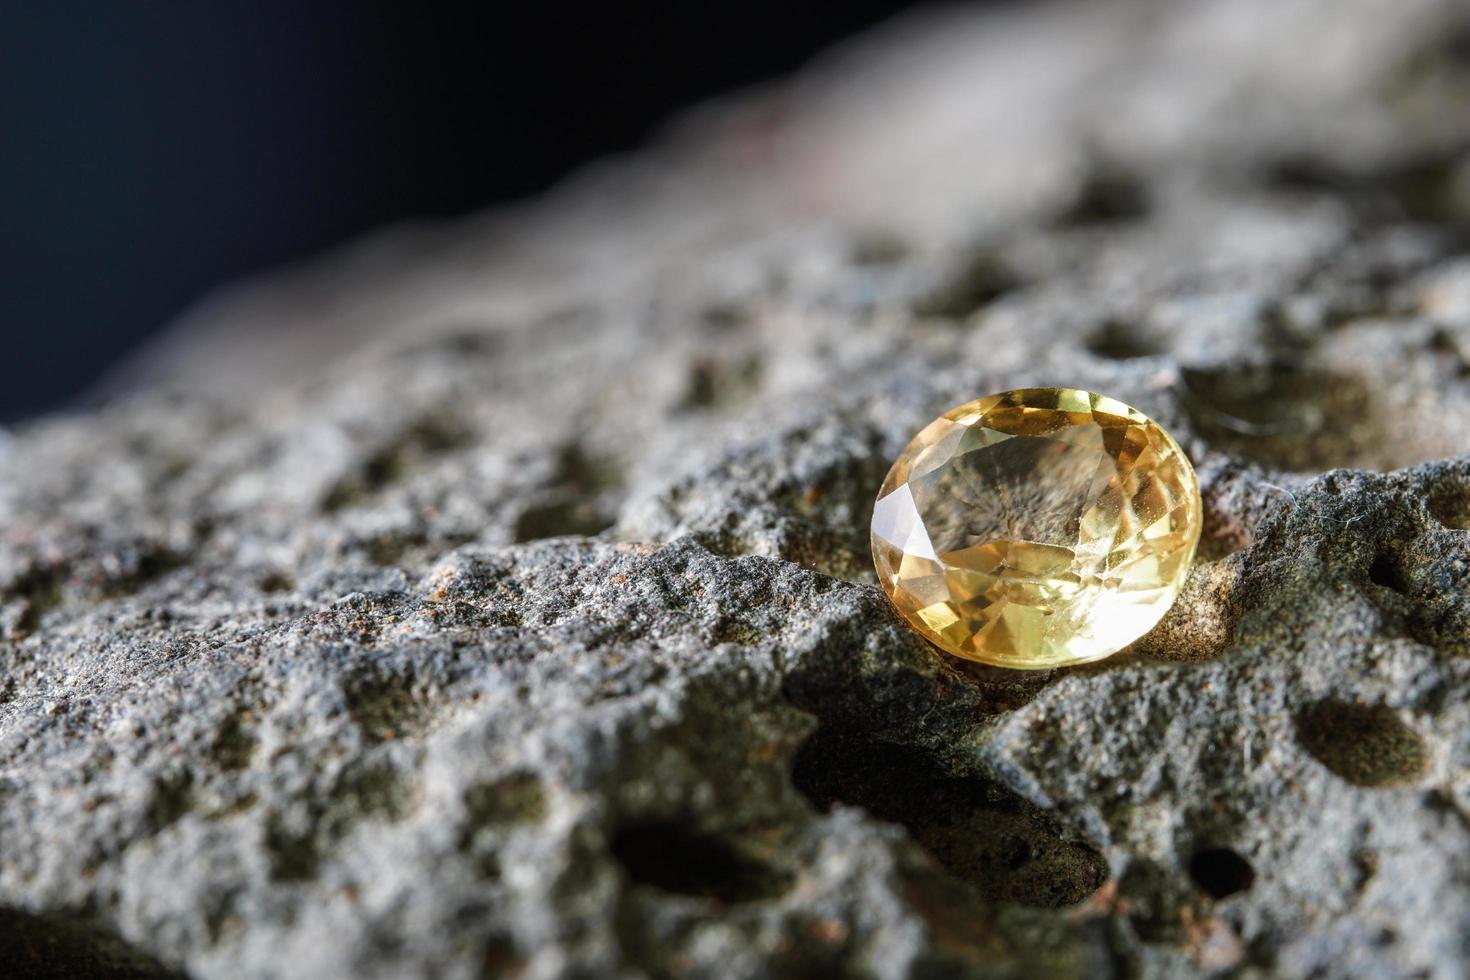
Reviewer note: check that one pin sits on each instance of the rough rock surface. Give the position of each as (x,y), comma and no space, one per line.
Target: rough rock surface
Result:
(527,627)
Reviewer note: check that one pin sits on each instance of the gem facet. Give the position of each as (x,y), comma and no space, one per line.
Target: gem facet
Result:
(1037,528)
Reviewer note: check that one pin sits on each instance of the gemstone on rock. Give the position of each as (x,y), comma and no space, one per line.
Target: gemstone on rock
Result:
(1037,528)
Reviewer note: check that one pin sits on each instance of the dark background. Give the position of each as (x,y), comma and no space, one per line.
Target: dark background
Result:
(152,150)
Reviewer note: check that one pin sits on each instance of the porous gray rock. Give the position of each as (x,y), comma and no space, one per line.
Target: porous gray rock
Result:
(493,599)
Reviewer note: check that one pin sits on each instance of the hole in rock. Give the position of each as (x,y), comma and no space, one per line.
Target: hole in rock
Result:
(722,384)
(293,854)
(39,590)
(173,798)
(730,629)
(455,341)
(298,838)
(560,518)
(1365,744)
(1448,350)
(1429,187)
(978,830)
(1385,573)
(575,502)
(1120,341)
(1108,195)
(388,548)
(980,280)
(467,340)
(669,856)
(1304,420)
(1221,872)
(517,798)
(586,472)
(1449,503)
(37,948)
(491,810)
(384,706)
(234,742)
(876,247)
(500,958)
(376,791)
(727,543)
(135,565)
(726,316)
(273,582)
(412,448)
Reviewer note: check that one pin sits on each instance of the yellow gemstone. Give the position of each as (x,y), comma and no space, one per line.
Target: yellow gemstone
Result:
(1037,528)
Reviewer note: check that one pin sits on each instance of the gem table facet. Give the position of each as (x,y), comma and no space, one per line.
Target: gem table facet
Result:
(1037,528)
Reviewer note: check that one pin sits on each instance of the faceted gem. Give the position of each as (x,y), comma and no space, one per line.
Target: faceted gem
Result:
(1037,528)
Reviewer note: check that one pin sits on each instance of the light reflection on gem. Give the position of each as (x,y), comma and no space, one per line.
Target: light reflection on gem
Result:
(1037,528)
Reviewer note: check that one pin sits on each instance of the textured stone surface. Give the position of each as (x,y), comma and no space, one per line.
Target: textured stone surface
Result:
(526,627)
